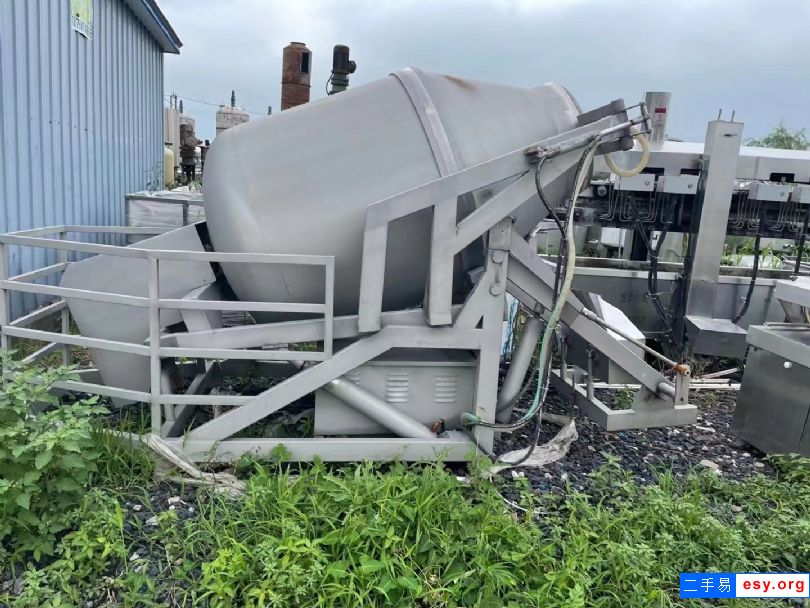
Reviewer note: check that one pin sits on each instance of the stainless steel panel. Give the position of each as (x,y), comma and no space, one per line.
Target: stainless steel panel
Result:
(643,182)
(715,337)
(796,291)
(426,385)
(791,342)
(761,191)
(773,404)
(627,289)
(678,184)
(715,188)
(801,194)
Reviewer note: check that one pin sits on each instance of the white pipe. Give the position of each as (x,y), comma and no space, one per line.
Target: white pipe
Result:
(521,359)
(377,409)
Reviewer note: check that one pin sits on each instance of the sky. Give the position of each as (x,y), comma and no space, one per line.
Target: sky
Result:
(749,56)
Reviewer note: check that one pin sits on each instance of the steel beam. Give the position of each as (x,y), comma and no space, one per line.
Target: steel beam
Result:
(713,200)
(454,447)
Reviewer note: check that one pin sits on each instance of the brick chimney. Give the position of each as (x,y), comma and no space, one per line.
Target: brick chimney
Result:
(295,73)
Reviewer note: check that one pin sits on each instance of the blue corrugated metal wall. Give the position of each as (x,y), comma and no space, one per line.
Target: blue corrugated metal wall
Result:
(81,120)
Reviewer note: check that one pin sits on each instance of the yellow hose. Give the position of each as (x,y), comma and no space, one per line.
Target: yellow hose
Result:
(642,163)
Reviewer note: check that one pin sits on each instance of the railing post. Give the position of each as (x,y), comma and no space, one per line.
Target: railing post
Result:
(63,258)
(4,299)
(329,301)
(154,344)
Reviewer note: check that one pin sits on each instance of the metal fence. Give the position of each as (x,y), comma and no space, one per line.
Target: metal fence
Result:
(55,238)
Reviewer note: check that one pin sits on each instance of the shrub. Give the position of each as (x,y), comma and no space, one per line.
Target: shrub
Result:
(45,458)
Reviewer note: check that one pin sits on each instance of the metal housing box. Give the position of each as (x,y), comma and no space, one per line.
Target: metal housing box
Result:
(643,182)
(715,337)
(761,191)
(801,194)
(774,401)
(426,384)
(678,184)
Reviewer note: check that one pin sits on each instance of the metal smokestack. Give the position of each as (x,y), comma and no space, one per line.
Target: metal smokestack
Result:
(296,68)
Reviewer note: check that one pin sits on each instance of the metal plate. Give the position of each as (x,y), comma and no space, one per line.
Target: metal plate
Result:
(760,191)
(773,404)
(678,184)
(789,341)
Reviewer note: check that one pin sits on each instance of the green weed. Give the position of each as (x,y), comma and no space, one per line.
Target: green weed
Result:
(45,459)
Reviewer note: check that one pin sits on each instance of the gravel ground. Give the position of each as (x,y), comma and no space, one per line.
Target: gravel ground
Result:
(710,441)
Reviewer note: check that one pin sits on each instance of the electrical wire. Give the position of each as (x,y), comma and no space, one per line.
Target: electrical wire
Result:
(541,195)
(559,302)
(211,103)
(652,274)
(753,282)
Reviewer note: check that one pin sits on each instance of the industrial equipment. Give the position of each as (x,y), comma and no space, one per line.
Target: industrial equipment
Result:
(384,252)
(374,236)
(773,408)
(188,151)
(342,66)
(706,192)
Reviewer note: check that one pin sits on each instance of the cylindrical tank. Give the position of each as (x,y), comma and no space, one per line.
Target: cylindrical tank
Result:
(658,107)
(300,181)
(171,131)
(228,117)
(168,166)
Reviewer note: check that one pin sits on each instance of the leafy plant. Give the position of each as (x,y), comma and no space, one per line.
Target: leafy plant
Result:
(83,556)
(45,459)
(783,138)
(623,399)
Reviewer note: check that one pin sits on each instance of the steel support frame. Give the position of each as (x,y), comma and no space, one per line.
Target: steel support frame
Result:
(448,237)
(477,327)
(658,402)
(707,237)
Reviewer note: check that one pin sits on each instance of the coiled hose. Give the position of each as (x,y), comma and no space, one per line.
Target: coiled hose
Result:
(642,163)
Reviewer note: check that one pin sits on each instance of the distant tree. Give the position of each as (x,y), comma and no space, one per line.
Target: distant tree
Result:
(783,138)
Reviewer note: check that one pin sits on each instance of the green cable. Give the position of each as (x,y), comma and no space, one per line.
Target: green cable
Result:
(469,419)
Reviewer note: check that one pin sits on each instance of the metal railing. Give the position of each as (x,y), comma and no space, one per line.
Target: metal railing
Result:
(42,238)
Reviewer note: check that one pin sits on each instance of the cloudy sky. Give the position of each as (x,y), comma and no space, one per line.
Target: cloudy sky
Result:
(751,56)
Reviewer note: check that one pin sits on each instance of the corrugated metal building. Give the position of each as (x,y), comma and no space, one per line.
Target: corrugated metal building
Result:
(81,112)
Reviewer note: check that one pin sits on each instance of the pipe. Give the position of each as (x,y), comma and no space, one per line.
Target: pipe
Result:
(377,409)
(592,316)
(556,311)
(521,359)
(666,389)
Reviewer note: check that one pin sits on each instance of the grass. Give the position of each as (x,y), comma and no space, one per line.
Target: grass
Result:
(391,534)
(397,535)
